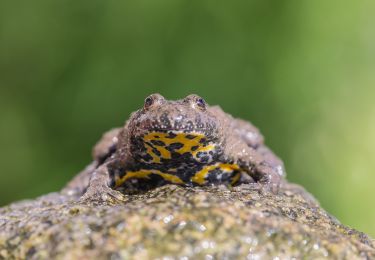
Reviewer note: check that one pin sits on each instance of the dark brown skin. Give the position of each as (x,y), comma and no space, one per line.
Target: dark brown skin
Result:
(225,141)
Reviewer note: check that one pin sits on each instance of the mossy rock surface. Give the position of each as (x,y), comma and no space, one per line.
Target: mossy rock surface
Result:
(180,223)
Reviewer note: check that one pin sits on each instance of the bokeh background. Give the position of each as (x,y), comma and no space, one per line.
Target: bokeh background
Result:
(302,71)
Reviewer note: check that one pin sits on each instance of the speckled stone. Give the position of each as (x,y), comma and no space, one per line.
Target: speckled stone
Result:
(173,222)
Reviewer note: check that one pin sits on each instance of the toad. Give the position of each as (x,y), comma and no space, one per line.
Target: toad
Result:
(184,142)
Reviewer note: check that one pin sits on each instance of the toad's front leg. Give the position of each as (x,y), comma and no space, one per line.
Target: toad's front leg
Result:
(78,185)
(99,189)
(255,165)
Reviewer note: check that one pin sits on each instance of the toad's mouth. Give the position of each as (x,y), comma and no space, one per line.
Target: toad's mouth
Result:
(176,129)
(178,124)
(166,145)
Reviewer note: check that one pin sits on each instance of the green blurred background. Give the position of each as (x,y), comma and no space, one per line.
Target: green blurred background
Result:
(302,71)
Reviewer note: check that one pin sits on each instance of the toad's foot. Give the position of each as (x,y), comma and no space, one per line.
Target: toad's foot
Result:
(102,194)
(269,178)
(98,190)
(245,183)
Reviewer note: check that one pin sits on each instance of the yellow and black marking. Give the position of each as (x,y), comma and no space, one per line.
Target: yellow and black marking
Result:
(176,157)
(163,146)
(215,173)
(145,174)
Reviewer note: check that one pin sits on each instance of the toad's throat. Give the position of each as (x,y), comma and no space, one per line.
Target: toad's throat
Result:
(163,146)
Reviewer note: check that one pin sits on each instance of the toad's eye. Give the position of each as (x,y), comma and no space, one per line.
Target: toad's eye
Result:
(196,101)
(148,102)
(201,103)
(154,99)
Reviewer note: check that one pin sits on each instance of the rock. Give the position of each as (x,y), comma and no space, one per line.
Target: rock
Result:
(179,222)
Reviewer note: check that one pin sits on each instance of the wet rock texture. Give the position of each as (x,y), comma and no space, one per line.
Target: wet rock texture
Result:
(173,222)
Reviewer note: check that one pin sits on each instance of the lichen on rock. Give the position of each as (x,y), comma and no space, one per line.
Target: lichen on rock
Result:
(180,222)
